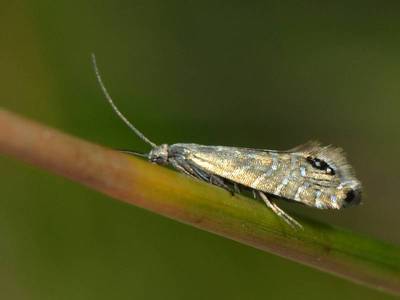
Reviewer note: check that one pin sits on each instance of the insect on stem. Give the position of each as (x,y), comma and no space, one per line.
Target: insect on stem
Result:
(115,108)
(310,174)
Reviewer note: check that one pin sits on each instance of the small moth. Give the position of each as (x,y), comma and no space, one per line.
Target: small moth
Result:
(311,174)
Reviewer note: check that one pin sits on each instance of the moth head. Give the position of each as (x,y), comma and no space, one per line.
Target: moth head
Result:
(330,176)
(159,154)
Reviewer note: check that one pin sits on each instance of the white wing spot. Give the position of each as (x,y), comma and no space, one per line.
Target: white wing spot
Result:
(303,171)
(334,202)
(300,190)
(275,161)
(279,188)
(318,203)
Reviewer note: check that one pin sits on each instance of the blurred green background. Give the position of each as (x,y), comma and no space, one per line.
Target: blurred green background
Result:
(262,74)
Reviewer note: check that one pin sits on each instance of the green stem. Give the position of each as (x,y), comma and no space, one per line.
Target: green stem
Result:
(327,248)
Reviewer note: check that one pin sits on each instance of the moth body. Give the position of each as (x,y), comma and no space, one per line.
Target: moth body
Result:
(311,174)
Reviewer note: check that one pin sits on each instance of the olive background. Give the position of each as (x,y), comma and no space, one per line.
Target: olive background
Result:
(260,74)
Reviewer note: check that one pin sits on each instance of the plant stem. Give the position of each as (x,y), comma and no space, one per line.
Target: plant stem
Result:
(171,194)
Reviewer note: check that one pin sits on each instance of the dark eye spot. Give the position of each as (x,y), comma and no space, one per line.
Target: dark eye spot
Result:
(350,196)
(320,165)
(353,197)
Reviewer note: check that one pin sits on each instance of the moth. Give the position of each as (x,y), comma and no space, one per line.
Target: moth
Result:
(310,174)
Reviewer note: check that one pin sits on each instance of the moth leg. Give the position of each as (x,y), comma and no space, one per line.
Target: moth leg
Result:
(213,179)
(291,221)
(195,172)
(254,194)
(236,188)
(200,174)
(218,181)
(277,210)
(180,168)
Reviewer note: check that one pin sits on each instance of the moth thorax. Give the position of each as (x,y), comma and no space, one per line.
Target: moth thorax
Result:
(159,154)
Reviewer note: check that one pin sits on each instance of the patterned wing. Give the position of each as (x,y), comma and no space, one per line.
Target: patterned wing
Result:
(257,169)
(313,175)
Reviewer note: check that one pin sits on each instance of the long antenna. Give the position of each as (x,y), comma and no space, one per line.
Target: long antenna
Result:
(115,108)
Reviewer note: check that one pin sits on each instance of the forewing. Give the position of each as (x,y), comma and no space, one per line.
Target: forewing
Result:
(257,169)
(289,174)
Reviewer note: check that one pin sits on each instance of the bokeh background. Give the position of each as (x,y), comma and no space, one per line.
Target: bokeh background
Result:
(262,74)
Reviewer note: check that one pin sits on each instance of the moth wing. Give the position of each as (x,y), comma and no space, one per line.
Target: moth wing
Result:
(248,167)
(310,146)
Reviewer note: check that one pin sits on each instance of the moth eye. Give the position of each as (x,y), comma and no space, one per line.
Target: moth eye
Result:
(320,165)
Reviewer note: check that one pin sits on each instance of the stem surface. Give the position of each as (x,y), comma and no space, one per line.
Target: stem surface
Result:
(171,194)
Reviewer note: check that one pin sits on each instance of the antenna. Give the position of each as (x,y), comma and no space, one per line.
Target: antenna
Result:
(133,153)
(115,108)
